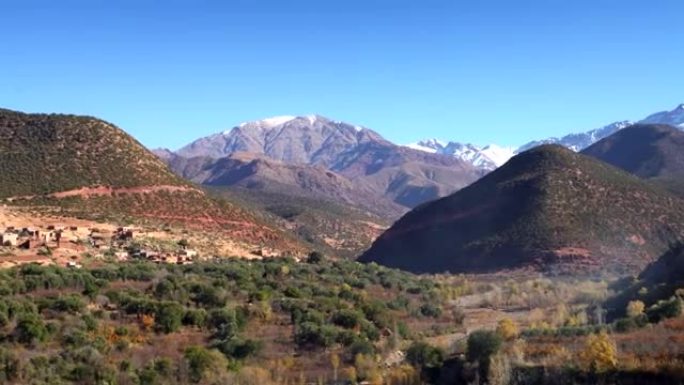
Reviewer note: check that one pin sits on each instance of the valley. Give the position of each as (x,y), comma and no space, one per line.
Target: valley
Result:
(303,250)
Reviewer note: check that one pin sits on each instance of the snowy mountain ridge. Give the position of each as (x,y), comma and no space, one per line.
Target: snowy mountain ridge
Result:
(493,156)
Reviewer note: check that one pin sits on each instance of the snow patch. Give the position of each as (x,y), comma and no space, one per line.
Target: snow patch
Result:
(419,147)
(498,154)
(268,122)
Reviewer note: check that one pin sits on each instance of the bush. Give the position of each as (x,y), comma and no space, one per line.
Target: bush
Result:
(195,317)
(31,328)
(424,355)
(507,329)
(311,334)
(665,309)
(430,310)
(599,354)
(68,303)
(168,317)
(482,345)
(624,325)
(315,257)
(348,319)
(200,361)
(224,323)
(239,349)
(361,346)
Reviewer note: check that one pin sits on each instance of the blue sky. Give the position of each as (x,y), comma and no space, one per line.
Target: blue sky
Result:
(475,71)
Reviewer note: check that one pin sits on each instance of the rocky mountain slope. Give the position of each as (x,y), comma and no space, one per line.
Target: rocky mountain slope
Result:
(82,166)
(399,175)
(549,209)
(649,151)
(259,173)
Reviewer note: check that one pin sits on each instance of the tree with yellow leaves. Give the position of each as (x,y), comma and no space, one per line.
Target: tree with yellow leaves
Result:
(335,362)
(507,329)
(635,308)
(350,374)
(600,353)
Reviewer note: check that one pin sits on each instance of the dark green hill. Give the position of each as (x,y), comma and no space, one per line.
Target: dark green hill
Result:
(649,151)
(42,153)
(549,209)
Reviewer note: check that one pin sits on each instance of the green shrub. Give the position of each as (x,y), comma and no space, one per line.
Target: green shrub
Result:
(624,325)
(311,334)
(168,317)
(482,345)
(361,346)
(424,355)
(199,360)
(348,319)
(239,349)
(665,309)
(195,317)
(30,329)
(315,257)
(430,310)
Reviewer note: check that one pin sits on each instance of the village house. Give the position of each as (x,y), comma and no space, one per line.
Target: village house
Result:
(9,239)
(188,253)
(96,239)
(121,256)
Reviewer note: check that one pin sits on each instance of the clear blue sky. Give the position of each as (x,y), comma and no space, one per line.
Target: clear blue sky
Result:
(475,71)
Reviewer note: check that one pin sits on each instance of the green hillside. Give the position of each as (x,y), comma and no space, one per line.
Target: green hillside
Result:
(42,153)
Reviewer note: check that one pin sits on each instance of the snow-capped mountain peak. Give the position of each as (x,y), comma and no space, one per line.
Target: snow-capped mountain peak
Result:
(498,154)
(433,143)
(270,122)
(486,157)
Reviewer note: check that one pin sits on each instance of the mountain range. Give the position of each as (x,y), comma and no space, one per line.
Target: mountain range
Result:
(484,157)
(387,178)
(312,161)
(492,156)
(548,209)
(314,183)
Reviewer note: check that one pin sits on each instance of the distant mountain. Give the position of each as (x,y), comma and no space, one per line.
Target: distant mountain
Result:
(82,166)
(259,173)
(649,151)
(483,157)
(401,175)
(313,140)
(672,118)
(490,157)
(578,142)
(549,209)
(324,209)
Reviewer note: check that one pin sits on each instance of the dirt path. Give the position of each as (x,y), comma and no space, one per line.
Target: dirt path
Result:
(86,192)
